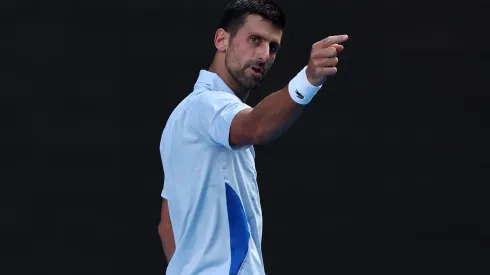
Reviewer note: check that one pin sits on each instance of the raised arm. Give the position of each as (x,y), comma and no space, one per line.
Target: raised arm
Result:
(278,111)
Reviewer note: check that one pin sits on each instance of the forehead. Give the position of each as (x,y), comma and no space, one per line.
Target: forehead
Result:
(256,24)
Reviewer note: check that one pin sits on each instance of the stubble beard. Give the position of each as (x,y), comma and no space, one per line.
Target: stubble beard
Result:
(244,82)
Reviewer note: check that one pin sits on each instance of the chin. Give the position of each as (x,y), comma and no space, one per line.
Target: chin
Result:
(255,80)
(248,81)
(254,86)
(251,83)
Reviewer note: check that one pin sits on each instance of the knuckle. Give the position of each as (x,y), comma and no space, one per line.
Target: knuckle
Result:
(331,70)
(313,54)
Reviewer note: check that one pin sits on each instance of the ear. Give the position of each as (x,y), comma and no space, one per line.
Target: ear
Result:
(221,40)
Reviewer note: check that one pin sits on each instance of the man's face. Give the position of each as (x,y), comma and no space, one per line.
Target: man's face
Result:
(252,51)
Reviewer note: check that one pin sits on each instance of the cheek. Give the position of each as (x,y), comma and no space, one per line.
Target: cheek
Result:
(239,56)
(272,61)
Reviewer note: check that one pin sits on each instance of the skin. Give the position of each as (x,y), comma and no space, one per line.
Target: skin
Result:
(255,45)
(165,231)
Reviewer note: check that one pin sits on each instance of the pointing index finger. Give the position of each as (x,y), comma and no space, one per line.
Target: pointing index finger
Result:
(336,39)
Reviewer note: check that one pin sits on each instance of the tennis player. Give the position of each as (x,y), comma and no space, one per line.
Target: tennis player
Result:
(211,218)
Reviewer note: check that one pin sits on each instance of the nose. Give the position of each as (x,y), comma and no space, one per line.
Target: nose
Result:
(264,53)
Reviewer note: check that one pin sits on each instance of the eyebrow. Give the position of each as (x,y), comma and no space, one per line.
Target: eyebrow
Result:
(272,42)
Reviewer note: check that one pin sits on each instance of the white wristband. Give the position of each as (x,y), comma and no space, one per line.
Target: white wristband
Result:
(301,90)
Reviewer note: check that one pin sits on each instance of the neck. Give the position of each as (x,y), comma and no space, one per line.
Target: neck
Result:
(223,73)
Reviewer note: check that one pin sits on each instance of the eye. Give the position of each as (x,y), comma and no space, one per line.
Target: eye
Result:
(254,39)
(274,47)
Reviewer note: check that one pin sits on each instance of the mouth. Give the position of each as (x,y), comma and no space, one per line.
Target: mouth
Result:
(257,70)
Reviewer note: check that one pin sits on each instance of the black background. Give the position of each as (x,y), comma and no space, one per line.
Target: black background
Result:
(386,172)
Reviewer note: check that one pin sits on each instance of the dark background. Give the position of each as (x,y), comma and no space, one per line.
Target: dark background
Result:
(386,172)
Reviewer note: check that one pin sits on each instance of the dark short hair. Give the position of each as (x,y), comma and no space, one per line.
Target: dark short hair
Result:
(237,10)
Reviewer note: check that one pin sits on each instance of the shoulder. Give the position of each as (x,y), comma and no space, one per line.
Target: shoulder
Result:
(213,97)
(213,101)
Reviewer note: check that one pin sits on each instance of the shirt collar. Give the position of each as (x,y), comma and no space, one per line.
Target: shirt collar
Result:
(212,81)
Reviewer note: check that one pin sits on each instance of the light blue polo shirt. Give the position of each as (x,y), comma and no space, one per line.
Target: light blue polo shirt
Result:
(211,187)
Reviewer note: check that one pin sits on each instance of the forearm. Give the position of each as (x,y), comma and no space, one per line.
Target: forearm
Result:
(278,111)
(274,115)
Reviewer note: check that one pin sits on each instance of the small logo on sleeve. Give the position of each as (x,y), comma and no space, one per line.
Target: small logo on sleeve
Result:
(300,96)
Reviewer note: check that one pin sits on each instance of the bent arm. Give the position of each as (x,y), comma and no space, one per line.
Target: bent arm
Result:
(165,231)
(277,112)
(266,121)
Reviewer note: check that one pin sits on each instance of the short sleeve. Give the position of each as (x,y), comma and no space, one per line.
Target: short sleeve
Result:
(164,193)
(213,113)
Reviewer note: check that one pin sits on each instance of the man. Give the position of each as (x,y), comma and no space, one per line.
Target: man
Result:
(211,220)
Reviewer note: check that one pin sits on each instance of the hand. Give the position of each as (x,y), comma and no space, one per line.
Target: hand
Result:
(323,59)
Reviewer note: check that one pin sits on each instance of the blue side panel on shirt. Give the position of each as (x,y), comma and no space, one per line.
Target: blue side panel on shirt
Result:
(239,231)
